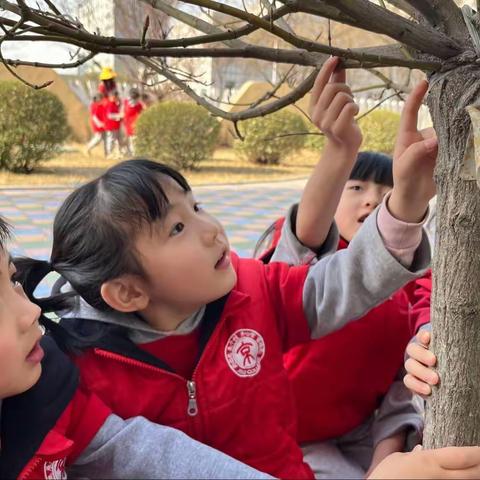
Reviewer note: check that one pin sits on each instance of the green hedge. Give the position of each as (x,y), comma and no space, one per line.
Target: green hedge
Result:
(380,129)
(179,134)
(268,139)
(314,142)
(33,126)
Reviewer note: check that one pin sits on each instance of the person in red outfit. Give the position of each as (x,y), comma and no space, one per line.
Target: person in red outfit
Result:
(97,118)
(52,426)
(330,423)
(113,122)
(132,108)
(338,395)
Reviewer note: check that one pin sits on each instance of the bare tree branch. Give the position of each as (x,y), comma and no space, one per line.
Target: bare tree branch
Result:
(194,22)
(308,53)
(389,83)
(214,33)
(404,6)
(369,16)
(258,111)
(376,19)
(325,11)
(356,58)
(425,8)
(143,41)
(64,66)
(72,34)
(52,7)
(444,12)
(281,21)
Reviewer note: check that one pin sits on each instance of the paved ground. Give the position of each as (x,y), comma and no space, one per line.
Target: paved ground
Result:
(244,210)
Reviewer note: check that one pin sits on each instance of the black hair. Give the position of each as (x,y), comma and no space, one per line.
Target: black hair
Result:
(134,93)
(373,166)
(4,233)
(95,228)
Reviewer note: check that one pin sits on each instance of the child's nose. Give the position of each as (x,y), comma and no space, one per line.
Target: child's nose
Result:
(210,231)
(373,201)
(29,314)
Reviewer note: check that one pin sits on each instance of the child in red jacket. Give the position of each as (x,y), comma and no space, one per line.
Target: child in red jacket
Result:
(132,108)
(50,424)
(336,395)
(113,121)
(165,309)
(97,119)
(344,437)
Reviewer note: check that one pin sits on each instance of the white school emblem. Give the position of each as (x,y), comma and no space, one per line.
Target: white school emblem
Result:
(244,352)
(55,470)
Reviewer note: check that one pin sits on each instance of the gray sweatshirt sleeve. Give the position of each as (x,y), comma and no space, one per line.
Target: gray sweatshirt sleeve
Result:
(345,285)
(290,250)
(400,410)
(137,448)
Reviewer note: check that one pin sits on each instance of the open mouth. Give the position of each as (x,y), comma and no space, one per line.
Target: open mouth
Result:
(36,353)
(224,261)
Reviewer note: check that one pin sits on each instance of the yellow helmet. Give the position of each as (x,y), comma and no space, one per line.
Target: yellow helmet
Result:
(107,73)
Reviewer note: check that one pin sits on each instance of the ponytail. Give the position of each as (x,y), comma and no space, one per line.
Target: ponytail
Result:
(30,273)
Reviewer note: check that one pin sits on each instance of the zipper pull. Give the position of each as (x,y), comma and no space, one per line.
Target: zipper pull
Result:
(192,409)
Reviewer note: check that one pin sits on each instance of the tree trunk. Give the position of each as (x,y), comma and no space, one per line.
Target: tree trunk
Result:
(453,413)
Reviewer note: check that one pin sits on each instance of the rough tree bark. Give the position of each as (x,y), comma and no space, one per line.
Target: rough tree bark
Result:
(453,414)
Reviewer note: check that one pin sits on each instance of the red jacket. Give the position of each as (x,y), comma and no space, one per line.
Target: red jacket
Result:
(339,380)
(111,108)
(96,110)
(420,294)
(44,429)
(131,111)
(238,398)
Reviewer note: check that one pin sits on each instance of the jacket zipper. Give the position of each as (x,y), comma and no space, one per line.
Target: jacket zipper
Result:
(33,465)
(192,409)
(192,405)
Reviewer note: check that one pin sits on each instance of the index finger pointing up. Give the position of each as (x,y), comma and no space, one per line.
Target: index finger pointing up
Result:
(322,79)
(409,117)
(339,75)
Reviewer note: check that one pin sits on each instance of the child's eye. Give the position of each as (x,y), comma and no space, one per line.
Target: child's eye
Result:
(177,228)
(356,188)
(197,207)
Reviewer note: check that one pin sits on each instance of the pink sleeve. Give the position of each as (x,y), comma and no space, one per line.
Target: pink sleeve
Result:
(400,238)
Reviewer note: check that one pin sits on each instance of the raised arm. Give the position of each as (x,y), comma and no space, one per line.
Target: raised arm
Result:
(332,110)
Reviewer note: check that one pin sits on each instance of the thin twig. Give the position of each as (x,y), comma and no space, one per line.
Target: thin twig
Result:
(63,66)
(261,110)
(376,106)
(53,8)
(146,24)
(329,34)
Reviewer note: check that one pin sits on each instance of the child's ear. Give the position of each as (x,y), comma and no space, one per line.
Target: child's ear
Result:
(125,294)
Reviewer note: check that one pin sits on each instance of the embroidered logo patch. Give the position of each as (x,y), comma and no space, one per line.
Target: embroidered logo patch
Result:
(55,470)
(244,352)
